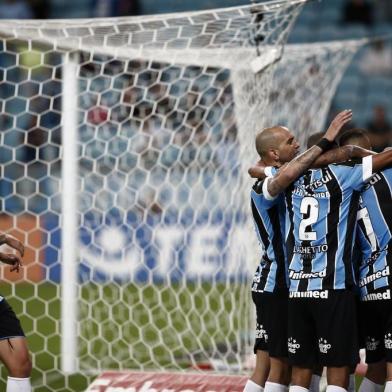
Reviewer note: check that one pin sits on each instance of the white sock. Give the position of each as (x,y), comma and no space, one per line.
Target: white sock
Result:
(251,386)
(351,383)
(296,388)
(334,388)
(370,386)
(388,386)
(315,383)
(274,387)
(18,384)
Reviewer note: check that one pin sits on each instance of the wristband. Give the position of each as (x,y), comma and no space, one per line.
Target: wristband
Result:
(325,144)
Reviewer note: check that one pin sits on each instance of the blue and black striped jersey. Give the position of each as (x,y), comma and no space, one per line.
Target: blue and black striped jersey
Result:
(321,221)
(269,219)
(375,235)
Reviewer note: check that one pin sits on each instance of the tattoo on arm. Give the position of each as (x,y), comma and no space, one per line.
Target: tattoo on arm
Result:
(292,171)
(341,154)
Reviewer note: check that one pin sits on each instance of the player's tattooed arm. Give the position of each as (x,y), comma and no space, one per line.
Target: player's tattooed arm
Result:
(14,260)
(292,171)
(300,164)
(341,154)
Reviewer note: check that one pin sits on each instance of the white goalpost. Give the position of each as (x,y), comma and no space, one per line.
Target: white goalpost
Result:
(70,241)
(125,147)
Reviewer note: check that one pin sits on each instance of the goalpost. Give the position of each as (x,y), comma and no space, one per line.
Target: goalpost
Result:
(201,57)
(146,185)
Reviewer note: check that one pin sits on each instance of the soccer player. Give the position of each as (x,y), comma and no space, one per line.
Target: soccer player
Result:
(275,147)
(13,346)
(354,137)
(322,208)
(375,240)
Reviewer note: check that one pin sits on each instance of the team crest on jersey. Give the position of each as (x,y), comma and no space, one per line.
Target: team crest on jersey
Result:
(293,346)
(261,333)
(324,346)
(372,344)
(388,341)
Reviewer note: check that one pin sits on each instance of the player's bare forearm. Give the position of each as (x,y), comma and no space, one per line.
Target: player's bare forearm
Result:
(293,170)
(257,172)
(382,160)
(12,242)
(341,154)
(14,260)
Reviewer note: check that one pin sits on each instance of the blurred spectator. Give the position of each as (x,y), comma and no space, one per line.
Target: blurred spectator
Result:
(377,60)
(102,8)
(15,9)
(40,8)
(384,8)
(358,11)
(379,129)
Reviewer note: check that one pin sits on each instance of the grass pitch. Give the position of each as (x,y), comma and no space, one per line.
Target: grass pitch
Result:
(129,327)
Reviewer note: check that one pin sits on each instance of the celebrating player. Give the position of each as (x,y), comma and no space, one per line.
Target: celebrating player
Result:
(14,352)
(275,147)
(375,239)
(322,208)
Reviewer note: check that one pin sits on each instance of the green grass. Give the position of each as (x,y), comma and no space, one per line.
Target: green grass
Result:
(127,327)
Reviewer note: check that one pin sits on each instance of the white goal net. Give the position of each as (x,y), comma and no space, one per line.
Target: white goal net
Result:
(124,149)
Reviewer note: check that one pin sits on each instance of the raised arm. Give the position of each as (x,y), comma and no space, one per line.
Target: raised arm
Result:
(341,154)
(286,175)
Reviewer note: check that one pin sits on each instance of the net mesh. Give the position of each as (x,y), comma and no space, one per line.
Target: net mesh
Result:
(167,111)
(304,84)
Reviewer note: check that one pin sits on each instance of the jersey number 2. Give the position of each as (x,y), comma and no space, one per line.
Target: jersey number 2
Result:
(309,207)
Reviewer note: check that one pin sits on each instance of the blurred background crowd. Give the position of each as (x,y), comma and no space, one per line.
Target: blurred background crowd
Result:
(31,106)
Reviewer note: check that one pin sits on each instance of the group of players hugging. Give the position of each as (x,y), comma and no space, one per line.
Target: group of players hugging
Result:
(323,288)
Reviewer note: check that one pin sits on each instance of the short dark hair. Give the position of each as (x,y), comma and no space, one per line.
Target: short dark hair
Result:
(354,133)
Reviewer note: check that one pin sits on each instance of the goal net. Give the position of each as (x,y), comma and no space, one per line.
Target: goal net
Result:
(304,83)
(124,149)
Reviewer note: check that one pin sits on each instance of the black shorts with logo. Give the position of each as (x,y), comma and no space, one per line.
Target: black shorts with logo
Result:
(322,329)
(271,322)
(9,324)
(376,322)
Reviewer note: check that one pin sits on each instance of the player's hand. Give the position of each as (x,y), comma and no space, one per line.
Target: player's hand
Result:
(12,242)
(11,259)
(337,124)
(257,170)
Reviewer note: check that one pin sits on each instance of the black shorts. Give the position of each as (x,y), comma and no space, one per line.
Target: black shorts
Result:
(9,324)
(323,330)
(271,323)
(361,331)
(376,320)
